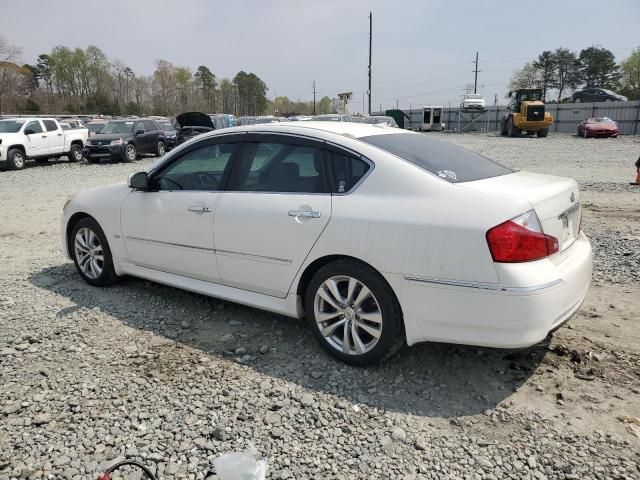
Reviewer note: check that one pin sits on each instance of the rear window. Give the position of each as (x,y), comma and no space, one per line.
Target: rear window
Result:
(450,162)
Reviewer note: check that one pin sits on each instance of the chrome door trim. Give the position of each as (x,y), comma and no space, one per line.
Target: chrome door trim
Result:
(484,286)
(256,258)
(169,244)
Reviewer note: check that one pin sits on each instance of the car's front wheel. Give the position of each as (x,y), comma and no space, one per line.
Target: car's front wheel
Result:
(130,153)
(75,154)
(16,159)
(354,313)
(91,254)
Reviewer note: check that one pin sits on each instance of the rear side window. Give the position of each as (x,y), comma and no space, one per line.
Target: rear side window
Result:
(150,126)
(449,162)
(34,127)
(50,125)
(347,171)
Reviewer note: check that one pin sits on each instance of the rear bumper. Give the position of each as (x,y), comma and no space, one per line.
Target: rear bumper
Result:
(495,315)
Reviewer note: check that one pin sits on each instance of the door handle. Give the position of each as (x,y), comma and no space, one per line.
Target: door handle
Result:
(304,213)
(44,136)
(199,209)
(59,134)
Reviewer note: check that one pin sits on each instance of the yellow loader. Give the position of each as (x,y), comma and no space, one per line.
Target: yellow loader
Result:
(527,114)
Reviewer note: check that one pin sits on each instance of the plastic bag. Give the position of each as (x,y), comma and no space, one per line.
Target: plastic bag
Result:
(240,466)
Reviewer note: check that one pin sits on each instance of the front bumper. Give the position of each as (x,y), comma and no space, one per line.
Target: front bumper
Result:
(497,315)
(103,151)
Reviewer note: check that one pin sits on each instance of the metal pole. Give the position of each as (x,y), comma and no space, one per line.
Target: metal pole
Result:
(314,97)
(370,45)
(475,82)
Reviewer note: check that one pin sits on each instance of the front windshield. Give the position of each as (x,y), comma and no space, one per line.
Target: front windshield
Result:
(599,120)
(118,127)
(11,126)
(95,127)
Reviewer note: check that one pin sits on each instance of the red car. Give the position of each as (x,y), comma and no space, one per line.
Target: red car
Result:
(598,127)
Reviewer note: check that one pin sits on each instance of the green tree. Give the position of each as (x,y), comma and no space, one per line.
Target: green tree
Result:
(568,70)
(206,82)
(547,73)
(324,105)
(8,69)
(630,70)
(598,68)
(183,77)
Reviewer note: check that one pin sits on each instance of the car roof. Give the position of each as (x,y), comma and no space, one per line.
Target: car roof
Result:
(347,129)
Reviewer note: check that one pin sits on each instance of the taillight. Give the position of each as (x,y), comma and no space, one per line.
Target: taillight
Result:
(520,239)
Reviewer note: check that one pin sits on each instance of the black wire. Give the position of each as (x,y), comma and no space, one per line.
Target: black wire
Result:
(133,463)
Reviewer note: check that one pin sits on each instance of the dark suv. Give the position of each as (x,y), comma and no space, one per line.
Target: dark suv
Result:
(125,140)
(596,95)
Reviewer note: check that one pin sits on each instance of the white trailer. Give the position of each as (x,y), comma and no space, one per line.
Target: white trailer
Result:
(432,118)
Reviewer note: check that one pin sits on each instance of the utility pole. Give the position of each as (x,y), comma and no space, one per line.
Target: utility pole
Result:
(475,82)
(370,44)
(314,97)
(397,105)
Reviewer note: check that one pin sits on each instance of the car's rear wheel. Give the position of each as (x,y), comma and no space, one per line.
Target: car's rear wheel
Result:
(15,159)
(160,149)
(130,153)
(91,254)
(543,132)
(354,314)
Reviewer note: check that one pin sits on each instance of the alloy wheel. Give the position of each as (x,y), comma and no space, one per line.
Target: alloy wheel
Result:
(89,253)
(348,315)
(130,153)
(18,160)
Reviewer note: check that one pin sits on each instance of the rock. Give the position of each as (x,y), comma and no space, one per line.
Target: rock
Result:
(272,418)
(219,433)
(171,469)
(11,409)
(5,352)
(41,419)
(61,461)
(235,323)
(398,434)
(307,400)
(532,461)
(421,443)
(484,462)
(264,349)
(240,351)
(185,325)
(277,432)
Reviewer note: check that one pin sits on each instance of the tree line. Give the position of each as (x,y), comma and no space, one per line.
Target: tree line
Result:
(563,70)
(80,80)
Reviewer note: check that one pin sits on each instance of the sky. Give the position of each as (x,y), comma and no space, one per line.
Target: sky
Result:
(423,50)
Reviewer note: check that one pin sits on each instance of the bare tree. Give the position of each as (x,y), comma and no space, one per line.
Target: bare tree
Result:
(9,55)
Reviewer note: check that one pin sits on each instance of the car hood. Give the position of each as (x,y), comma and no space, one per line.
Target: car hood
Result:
(194,119)
(601,126)
(109,136)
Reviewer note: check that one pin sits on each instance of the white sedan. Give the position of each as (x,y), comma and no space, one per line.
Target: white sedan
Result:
(379,237)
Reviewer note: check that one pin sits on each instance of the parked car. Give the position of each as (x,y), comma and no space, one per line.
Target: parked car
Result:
(192,124)
(331,117)
(596,95)
(125,140)
(95,126)
(374,119)
(472,101)
(379,237)
(220,120)
(170,132)
(38,139)
(598,127)
(65,126)
(267,119)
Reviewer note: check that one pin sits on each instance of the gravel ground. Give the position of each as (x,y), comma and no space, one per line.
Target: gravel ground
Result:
(174,379)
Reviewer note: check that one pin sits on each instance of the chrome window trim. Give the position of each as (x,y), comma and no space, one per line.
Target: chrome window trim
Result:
(484,286)
(169,244)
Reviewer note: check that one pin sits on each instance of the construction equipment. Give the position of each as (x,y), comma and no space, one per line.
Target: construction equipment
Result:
(527,114)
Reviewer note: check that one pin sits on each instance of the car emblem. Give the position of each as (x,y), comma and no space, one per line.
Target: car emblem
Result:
(572,197)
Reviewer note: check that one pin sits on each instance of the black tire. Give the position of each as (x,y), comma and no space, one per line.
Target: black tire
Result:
(512,130)
(543,133)
(108,273)
(160,149)
(503,129)
(392,334)
(16,159)
(75,154)
(130,153)
(42,160)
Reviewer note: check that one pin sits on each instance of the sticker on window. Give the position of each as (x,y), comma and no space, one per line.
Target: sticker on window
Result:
(450,174)
(341,186)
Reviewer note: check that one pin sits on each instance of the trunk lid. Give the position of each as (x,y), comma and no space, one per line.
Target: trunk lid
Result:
(556,200)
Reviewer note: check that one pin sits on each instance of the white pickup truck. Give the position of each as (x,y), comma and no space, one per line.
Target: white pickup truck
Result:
(38,139)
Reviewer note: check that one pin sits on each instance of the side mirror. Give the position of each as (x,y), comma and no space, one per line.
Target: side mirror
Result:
(139,132)
(28,131)
(138,181)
